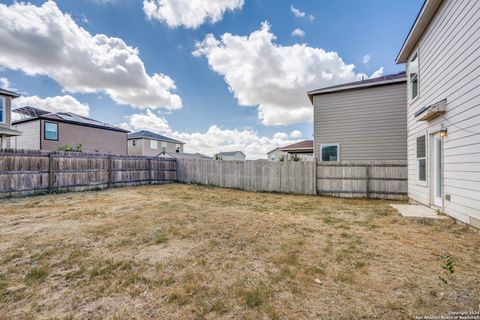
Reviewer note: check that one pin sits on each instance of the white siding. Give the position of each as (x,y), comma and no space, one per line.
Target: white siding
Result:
(449,68)
(30,138)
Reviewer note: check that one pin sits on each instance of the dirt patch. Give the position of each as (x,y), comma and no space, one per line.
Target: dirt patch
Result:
(183,252)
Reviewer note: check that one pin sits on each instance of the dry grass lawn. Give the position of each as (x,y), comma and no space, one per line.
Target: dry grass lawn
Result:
(191,252)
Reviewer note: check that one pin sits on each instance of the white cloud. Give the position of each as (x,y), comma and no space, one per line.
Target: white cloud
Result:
(275,78)
(189,13)
(214,140)
(366,59)
(301,14)
(298,33)
(377,73)
(5,84)
(53,104)
(148,121)
(44,41)
(296,134)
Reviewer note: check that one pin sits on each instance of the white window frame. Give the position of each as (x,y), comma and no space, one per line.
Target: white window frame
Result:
(410,91)
(177,147)
(153,144)
(417,160)
(329,145)
(4,110)
(164,146)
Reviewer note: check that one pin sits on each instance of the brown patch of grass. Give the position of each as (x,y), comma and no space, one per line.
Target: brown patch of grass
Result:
(183,252)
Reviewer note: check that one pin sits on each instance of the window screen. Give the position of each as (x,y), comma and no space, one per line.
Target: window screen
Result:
(51,131)
(421,158)
(330,152)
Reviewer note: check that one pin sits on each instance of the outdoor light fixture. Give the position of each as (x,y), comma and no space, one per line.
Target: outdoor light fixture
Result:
(443,132)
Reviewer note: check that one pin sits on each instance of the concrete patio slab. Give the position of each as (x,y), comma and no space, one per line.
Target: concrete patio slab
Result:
(417,211)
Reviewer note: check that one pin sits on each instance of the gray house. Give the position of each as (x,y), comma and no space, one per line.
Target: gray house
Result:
(364,120)
(442,52)
(231,156)
(44,130)
(6,131)
(147,143)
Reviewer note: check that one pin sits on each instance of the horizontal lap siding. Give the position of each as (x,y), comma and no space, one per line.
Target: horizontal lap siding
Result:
(449,59)
(368,123)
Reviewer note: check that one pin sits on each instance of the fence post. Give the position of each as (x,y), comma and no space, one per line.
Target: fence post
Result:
(149,171)
(314,176)
(51,173)
(367,175)
(109,171)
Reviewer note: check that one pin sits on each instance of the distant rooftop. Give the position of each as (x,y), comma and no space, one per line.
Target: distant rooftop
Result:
(31,113)
(228,153)
(306,145)
(184,155)
(151,135)
(388,79)
(9,93)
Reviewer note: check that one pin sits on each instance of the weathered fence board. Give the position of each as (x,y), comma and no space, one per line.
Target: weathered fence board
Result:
(369,179)
(26,172)
(288,177)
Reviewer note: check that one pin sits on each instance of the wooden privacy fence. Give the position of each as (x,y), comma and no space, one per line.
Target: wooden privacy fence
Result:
(365,179)
(289,177)
(27,172)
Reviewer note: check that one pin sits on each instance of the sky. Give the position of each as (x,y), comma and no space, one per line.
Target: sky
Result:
(220,75)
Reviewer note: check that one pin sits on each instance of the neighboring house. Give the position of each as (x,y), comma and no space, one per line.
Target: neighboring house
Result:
(231,156)
(188,156)
(150,144)
(363,120)
(43,130)
(6,131)
(442,52)
(276,155)
(301,151)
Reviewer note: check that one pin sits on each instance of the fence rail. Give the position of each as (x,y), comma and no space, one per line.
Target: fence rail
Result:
(27,172)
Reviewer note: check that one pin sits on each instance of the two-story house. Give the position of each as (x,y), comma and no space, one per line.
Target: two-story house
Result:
(147,143)
(6,131)
(442,53)
(44,130)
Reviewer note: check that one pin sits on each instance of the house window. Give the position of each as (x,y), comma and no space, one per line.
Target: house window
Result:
(421,158)
(51,131)
(164,147)
(134,143)
(2,110)
(153,144)
(413,76)
(177,148)
(330,152)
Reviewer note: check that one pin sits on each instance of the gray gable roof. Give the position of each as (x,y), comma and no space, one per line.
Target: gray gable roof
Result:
(31,113)
(151,135)
(383,80)
(231,152)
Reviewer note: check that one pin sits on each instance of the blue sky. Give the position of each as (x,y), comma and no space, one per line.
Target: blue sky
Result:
(353,29)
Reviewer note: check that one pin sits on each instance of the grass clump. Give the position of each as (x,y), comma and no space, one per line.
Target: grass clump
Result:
(160,237)
(256,296)
(36,275)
